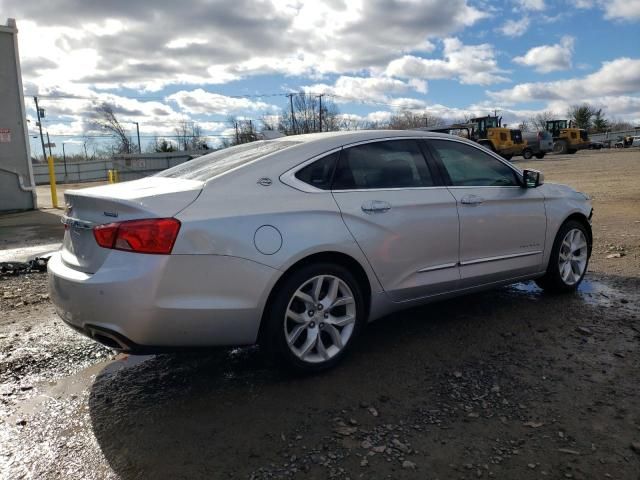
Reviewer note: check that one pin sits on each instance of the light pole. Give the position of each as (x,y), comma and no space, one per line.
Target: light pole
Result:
(138,131)
(64,159)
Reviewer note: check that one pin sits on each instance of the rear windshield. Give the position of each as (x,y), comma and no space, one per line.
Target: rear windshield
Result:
(208,166)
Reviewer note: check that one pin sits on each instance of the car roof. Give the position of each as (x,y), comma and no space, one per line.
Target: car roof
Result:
(330,140)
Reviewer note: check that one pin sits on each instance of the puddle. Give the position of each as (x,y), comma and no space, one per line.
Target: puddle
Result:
(75,385)
(591,291)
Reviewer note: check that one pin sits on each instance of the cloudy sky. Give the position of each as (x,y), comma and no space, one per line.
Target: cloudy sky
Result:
(161,61)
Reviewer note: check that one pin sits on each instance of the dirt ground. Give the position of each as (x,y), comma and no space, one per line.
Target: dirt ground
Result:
(511,383)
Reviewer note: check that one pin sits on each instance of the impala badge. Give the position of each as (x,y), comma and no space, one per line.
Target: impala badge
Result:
(265,182)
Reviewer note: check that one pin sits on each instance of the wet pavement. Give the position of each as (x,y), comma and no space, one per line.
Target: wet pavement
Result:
(507,383)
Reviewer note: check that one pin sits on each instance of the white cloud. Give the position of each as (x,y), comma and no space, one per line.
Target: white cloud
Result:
(515,28)
(199,101)
(225,41)
(625,10)
(369,89)
(537,5)
(470,64)
(617,77)
(619,10)
(549,58)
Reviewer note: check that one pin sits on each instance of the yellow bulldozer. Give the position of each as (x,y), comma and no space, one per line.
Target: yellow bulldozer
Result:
(567,138)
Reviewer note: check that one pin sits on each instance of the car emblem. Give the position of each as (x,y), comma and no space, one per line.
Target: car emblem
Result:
(110,214)
(265,182)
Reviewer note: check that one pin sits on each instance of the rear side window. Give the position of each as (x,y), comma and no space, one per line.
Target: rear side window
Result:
(387,164)
(319,173)
(470,166)
(208,166)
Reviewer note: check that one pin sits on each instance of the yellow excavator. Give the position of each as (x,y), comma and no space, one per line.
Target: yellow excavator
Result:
(567,138)
(488,131)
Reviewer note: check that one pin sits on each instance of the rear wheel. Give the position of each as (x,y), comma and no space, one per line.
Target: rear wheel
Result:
(540,155)
(572,151)
(314,318)
(569,259)
(527,153)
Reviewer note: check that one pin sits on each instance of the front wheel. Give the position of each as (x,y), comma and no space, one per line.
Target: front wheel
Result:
(540,155)
(569,259)
(314,318)
(527,154)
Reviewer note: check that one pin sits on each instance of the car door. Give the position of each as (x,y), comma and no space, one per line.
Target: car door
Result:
(403,218)
(502,224)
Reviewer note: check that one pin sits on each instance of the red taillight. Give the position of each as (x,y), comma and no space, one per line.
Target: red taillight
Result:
(155,235)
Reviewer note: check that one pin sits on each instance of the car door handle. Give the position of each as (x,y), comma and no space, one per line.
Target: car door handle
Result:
(471,200)
(376,206)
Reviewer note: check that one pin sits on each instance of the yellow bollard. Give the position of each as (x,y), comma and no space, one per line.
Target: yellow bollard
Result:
(110,176)
(116,176)
(52,183)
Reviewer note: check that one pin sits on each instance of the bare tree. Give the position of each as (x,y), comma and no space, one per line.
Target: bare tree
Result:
(539,121)
(107,120)
(407,119)
(306,115)
(189,136)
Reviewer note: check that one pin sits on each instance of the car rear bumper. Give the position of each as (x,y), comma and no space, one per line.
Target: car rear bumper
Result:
(138,302)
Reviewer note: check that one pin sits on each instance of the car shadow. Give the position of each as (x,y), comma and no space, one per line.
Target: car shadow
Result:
(227,412)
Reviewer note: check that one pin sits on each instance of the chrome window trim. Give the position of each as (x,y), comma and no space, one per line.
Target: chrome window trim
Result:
(501,257)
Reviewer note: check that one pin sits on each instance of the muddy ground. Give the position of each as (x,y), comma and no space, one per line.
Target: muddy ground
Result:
(510,383)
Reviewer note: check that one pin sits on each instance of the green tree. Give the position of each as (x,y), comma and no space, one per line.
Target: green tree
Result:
(600,123)
(582,115)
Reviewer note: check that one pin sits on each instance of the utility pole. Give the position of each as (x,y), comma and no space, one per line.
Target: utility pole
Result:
(320,110)
(237,135)
(49,145)
(44,152)
(251,129)
(426,121)
(293,118)
(138,130)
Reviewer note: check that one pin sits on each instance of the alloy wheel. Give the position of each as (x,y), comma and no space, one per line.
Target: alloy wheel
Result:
(320,319)
(572,257)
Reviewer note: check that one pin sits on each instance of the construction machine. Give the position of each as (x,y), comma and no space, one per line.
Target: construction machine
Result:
(567,138)
(489,132)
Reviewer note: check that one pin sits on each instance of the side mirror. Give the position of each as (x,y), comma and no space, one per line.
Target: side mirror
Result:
(532,178)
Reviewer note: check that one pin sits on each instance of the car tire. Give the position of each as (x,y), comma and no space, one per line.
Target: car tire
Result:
(569,259)
(527,154)
(572,151)
(540,155)
(302,331)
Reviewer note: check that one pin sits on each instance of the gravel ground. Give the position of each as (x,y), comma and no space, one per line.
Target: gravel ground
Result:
(507,383)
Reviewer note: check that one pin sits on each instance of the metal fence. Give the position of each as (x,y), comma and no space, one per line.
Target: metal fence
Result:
(601,137)
(130,167)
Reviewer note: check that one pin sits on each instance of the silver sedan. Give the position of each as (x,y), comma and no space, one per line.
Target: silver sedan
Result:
(297,243)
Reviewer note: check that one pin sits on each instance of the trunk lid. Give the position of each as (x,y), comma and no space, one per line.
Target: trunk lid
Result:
(151,197)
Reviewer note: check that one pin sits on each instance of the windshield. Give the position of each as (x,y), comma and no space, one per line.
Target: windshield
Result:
(213,164)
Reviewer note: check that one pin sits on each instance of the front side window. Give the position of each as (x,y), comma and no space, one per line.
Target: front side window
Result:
(387,164)
(470,166)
